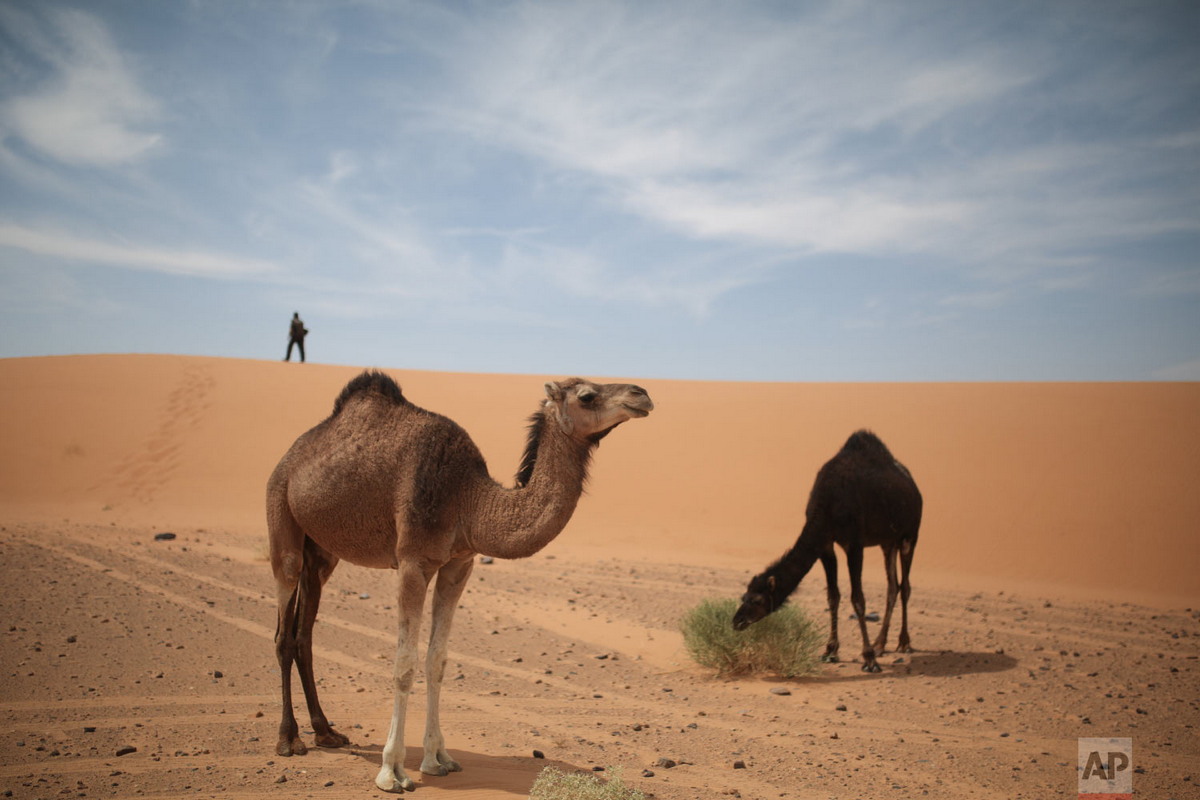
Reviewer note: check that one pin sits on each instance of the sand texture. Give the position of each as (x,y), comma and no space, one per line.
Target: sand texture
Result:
(1056,592)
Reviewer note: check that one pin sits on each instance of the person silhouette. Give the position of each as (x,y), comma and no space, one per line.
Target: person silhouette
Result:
(296,336)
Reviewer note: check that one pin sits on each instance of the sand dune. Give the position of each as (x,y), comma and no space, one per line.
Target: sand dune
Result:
(1049,507)
(1081,487)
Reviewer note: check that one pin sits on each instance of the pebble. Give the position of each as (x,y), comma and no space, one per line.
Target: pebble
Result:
(166,536)
(783,691)
(538,754)
(126,750)
(739,764)
(665,763)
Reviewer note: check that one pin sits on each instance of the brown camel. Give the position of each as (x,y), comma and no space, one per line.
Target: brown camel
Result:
(382,483)
(862,497)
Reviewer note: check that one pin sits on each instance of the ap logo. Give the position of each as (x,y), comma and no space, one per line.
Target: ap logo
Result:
(1105,769)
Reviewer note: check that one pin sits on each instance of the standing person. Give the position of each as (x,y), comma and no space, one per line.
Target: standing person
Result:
(296,337)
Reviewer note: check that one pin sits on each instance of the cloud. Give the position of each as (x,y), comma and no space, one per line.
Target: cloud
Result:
(60,244)
(955,138)
(1189,371)
(91,110)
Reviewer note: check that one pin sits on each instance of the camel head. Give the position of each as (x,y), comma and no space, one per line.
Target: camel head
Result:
(757,602)
(588,411)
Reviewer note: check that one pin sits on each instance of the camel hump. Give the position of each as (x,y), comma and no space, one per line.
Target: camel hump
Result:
(865,442)
(370,382)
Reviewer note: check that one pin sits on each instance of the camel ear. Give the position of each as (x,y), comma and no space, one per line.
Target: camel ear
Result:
(556,399)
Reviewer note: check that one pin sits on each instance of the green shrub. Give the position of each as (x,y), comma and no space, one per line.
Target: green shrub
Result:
(783,643)
(554,784)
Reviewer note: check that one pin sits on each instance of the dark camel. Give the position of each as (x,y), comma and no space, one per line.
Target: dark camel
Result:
(862,497)
(382,483)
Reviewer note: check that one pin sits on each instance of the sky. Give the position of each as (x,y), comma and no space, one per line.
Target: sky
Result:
(748,191)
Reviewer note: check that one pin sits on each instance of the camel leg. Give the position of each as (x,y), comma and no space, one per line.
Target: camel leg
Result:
(318,565)
(451,580)
(854,561)
(414,581)
(829,562)
(285,652)
(287,564)
(890,555)
(907,549)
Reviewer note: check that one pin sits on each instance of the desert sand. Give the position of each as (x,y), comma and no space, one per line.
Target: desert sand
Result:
(1056,592)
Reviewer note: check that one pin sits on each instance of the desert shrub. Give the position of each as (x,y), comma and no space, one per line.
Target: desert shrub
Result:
(554,784)
(784,643)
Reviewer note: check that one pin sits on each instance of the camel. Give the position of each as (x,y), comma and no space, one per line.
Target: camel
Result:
(383,483)
(862,497)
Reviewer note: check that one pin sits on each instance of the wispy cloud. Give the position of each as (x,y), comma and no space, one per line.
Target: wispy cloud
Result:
(755,128)
(61,244)
(91,111)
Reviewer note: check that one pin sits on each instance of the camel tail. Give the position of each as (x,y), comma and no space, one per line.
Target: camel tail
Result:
(293,606)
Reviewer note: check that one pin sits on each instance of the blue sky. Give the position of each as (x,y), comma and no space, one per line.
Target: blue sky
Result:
(793,191)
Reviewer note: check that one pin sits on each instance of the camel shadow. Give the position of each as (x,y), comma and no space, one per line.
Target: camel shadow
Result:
(945,663)
(501,774)
(939,664)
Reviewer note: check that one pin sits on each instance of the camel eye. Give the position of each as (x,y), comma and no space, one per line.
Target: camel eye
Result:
(587,397)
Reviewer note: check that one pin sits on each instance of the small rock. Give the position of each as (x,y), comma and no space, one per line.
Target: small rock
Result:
(72,639)
(538,754)
(281,779)
(218,674)
(834,735)
(486,560)
(166,536)
(126,750)
(840,707)
(89,728)
(739,764)
(665,763)
(647,773)
(328,784)
(364,596)
(781,690)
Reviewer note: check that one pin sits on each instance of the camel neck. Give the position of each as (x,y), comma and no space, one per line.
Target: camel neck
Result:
(518,522)
(795,564)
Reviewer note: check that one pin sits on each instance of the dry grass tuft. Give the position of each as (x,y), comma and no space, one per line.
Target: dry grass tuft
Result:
(554,784)
(783,643)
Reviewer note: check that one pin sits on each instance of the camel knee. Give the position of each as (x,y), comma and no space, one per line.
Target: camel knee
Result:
(403,681)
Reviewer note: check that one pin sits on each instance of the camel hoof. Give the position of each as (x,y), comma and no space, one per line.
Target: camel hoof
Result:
(290,747)
(904,648)
(871,666)
(828,659)
(332,739)
(440,766)
(389,782)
